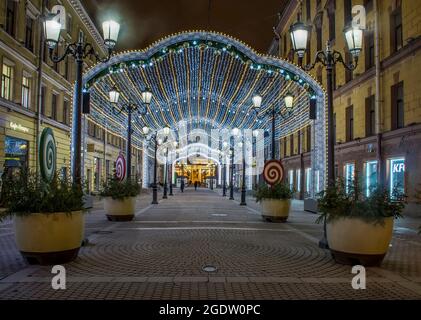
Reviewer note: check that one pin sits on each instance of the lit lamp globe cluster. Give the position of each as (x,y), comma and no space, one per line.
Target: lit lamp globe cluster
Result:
(52,29)
(300,34)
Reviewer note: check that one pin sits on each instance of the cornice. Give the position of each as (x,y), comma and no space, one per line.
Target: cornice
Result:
(86,19)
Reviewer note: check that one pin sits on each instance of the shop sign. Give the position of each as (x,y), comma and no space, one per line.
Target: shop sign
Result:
(18,127)
(398,167)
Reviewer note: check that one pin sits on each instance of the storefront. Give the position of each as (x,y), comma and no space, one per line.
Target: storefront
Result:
(396,176)
(16,154)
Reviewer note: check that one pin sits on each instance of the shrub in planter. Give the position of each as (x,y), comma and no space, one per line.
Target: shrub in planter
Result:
(359,228)
(48,217)
(120,199)
(275,201)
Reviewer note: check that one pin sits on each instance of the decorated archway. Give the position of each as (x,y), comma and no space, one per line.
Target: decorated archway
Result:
(205,80)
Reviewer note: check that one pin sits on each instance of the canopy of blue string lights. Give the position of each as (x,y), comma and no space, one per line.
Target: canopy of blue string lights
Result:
(205,80)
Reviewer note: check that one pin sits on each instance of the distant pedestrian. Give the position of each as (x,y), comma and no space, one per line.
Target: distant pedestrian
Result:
(182,186)
(195,185)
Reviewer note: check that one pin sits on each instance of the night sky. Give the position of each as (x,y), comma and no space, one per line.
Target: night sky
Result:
(144,22)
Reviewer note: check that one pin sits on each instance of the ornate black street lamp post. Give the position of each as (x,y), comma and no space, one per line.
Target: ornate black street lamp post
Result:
(157,141)
(129,108)
(328,58)
(80,50)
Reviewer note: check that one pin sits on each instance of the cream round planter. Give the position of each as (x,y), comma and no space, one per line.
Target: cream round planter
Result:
(120,210)
(275,210)
(49,239)
(354,241)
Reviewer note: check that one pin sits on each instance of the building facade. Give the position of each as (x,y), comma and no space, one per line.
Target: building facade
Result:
(377,108)
(37,93)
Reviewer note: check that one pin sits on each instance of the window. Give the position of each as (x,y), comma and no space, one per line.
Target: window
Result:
(396,34)
(370,116)
(317,181)
(69,23)
(319,38)
(308,147)
(298,180)
(25,91)
(308,181)
(6,82)
(331,17)
(66,68)
(350,123)
(347,12)
(29,27)
(398,108)
(368,4)
(66,112)
(349,176)
(54,107)
(320,74)
(397,177)
(10,16)
(299,141)
(370,176)
(308,10)
(291,145)
(16,152)
(43,95)
(291,179)
(349,74)
(107,168)
(285,147)
(369,50)
(309,56)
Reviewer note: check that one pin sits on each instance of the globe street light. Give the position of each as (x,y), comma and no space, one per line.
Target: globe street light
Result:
(328,58)
(114,96)
(80,50)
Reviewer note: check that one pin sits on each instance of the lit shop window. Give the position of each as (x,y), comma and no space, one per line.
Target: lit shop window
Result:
(308,180)
(317,181)
(397,176)
(291,179)
(349,176)
(298,180)
(370,176)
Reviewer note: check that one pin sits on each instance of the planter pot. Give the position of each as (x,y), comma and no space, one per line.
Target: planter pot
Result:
(275,210)
(49,239)
(353,241)
(120,210)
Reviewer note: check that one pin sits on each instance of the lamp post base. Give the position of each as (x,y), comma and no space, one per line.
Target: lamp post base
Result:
(155,195)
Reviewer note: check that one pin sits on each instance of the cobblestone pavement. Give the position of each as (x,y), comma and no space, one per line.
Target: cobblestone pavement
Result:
(162,253)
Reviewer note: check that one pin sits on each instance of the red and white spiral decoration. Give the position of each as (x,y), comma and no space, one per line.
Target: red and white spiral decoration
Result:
(120,167)
(273,172)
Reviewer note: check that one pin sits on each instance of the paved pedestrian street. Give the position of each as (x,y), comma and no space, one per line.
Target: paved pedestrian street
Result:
(199,245)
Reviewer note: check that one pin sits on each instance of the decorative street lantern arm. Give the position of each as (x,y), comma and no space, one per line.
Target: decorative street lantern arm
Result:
(331,58)
(78,52)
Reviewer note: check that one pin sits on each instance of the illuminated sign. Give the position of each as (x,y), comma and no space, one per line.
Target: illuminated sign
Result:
(398,167)
(18,127)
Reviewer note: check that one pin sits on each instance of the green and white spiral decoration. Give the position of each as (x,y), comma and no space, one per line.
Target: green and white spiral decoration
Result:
(47,155)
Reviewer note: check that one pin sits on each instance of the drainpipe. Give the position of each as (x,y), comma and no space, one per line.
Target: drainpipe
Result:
(39,84)
(378,110)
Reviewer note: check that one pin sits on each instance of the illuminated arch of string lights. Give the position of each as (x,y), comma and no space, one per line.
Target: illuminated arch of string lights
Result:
(203,80)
